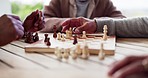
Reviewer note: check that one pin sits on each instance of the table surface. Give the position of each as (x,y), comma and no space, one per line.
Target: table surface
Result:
(15,63)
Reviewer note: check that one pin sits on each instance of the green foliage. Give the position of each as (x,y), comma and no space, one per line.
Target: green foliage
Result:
(22,10)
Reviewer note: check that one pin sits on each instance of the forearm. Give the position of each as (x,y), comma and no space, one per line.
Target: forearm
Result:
(128,27)
(50,22)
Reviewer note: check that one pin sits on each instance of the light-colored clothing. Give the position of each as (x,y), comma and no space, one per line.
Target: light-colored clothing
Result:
(127,27)
(57,10)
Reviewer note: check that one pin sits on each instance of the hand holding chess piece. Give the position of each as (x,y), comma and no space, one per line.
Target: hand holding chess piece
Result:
(34,22)
(10,30)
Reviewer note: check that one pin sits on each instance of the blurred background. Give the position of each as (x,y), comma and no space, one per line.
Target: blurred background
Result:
(130,8)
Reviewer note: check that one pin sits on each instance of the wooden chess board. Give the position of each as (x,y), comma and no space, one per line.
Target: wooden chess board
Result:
(93,44)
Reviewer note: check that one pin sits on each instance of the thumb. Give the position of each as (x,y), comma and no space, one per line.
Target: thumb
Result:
(79,29)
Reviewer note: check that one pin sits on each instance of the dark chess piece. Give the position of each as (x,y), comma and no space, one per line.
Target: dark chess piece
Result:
(55,31)
(48,42)
(46,36)
(36,37)
(29,38)
(75,40)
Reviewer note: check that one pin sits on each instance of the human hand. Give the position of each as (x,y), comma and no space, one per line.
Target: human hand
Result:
(10,29)
(34,22)
(80,24)
(129,66)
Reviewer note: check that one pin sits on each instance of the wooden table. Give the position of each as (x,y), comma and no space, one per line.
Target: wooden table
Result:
(15,63)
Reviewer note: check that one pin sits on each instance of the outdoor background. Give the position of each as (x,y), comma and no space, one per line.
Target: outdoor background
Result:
(130,8)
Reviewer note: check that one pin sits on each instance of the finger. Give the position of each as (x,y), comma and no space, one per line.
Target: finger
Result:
(32,15)
(123,63)
(130,69)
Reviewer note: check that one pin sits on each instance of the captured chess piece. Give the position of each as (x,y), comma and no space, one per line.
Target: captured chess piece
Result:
(84,35)
(36,37)
(46,36)
(66,54)
(55,31)
(29,38)
(48,42)
(105,32)
(101,54)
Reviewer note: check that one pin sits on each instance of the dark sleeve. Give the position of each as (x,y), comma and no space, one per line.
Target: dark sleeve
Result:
(127,27)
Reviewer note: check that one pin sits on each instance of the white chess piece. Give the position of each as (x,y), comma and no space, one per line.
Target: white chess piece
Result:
(84,35)
(59,54)
(73,54)
(67,34)
(70,32)
(101,54)
(105,32)
(66,54)
(59,36)
(56,51)
(78,49)
(85,52)
(63,38)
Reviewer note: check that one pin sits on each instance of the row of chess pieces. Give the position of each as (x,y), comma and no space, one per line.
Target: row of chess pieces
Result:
(77,51)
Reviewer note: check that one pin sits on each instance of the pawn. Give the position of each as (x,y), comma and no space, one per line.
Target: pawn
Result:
(63,38)
(70,32)
(56,51)
(75,40)
(85,52)
(101,54)
(73,54)
(59,55)
(46,36)
(66,54)
(78,49)
(59,36)
(84,35)
(67,34)
(48,42)
(36,37)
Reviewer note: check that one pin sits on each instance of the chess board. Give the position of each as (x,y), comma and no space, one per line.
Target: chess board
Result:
(93,41)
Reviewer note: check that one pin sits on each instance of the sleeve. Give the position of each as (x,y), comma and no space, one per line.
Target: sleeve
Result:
(111,10)
(127,27)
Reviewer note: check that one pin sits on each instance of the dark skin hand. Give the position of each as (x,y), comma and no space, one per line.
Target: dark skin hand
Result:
(80,24)
(34,22)
(129,66)
(10,29)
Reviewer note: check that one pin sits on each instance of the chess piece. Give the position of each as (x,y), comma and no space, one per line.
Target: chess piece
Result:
(55,31)
(29,38)
(48,42)
(66,54)
(85,52)
(46,36)
(56,50)
(101,54)
(70,32)
(36,37)
(105,32)
(59,36)
(63,38)
(75,40)
(84,35)
(78,49)
(59,54)
(67,34)
(73,54)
